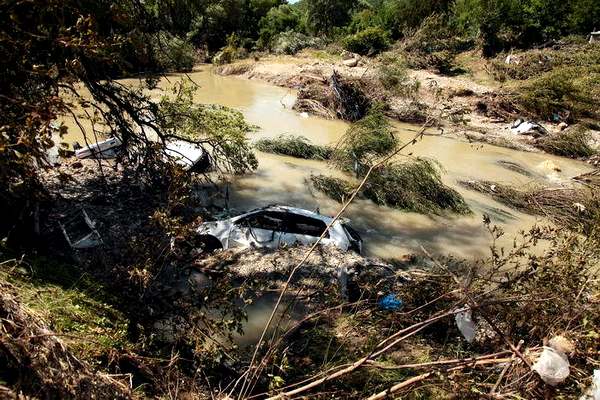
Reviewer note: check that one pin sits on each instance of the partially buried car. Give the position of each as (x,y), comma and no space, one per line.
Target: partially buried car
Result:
(273,226)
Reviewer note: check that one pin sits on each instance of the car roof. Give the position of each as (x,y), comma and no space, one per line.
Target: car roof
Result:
(292,210)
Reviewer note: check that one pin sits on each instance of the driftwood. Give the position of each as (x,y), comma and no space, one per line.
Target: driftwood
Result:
(350,102)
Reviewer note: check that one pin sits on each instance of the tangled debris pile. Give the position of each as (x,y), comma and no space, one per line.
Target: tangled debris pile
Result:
(575,208)
(342,98)
(517,303)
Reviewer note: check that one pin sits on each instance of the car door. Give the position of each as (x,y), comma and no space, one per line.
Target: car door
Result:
(260,229)
(304,230)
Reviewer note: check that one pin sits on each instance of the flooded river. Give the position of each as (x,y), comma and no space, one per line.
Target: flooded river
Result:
(386,232)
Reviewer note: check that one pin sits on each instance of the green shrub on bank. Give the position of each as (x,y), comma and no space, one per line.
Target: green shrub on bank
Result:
(393,75)
(369,41)
(233,51)
(574,143)
(534,63)
(172,53)
(291,42)
(573,90)
(435,45)
(294,146)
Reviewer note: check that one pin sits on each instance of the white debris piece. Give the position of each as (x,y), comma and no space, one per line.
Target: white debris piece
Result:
(593,392)
(579,207)
(104,149)
(186,154)
(465,324)
(522,127)
(80,231)
(552,366)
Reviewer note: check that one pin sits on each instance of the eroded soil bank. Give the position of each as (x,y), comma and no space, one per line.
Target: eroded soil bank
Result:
(466,106)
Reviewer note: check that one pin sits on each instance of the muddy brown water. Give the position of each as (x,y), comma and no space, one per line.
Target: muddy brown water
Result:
(386,232)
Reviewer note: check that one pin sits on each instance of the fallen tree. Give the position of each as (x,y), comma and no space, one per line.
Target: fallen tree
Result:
(576,208)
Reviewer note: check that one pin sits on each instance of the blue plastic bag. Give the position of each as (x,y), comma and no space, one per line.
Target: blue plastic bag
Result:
(390,303)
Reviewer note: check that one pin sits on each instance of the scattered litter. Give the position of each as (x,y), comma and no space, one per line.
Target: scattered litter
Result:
(80,231)
(522,127)
(594,37)
(465,324)
(105,149)
(593,392)
(562,126)
(390,303)
(552,366)
(304,114)
(579,207)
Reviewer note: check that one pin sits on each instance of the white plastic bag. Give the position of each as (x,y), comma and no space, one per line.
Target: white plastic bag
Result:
(465,324)
(593,392)
(552,366)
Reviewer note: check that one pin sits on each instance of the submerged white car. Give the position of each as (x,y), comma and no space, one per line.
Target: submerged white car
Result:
(273,226)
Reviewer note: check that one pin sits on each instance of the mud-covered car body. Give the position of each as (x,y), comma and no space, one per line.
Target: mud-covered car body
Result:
(274,226)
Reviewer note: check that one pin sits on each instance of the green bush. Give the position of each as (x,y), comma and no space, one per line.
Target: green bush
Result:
(575,90)
(367,42)
(393,75)
(413,186)
(294,146)
(172,53)
(291,42)
(337,189)
(435,45)
(365,141)
(233,51)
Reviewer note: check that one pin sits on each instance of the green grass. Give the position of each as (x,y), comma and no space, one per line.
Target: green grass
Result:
(294,146)
(73,305)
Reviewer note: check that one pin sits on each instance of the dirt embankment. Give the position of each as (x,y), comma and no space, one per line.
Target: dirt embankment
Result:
(462,107)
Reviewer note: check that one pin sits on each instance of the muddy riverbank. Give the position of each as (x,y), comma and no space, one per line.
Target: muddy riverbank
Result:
(463,106)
